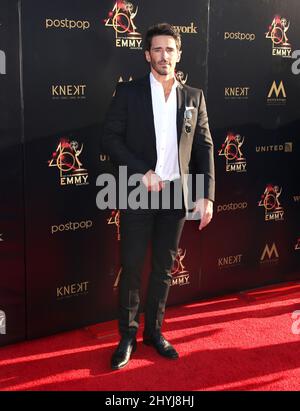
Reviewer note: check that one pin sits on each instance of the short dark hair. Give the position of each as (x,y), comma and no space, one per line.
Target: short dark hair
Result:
(162,29)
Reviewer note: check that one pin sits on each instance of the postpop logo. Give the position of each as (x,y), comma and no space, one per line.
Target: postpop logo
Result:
(67,24)
(239,36)
(71,226)
(232,207)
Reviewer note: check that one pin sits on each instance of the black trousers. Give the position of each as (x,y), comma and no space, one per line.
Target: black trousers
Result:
(162,228)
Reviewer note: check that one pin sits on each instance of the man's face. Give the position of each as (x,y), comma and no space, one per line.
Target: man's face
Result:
(163,55)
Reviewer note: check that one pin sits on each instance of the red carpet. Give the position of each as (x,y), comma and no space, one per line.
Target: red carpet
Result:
(238,342)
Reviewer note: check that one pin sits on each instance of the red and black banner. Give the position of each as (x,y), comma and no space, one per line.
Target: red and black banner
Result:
(12,265)
(70,58)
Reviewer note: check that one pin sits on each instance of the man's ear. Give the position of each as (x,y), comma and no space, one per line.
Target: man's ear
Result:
(179,56)
(147,55)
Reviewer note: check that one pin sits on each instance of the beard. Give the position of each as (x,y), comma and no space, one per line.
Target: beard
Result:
(163,68)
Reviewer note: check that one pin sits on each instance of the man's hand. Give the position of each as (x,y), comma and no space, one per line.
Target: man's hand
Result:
(205,208)
(152,181)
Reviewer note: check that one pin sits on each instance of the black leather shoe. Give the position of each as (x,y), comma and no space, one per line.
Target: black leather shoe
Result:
(162,346)
(122,354)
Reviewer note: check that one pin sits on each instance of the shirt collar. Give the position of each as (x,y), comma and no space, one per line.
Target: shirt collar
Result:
(156,83)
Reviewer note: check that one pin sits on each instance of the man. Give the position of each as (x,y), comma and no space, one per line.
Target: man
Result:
(155,126)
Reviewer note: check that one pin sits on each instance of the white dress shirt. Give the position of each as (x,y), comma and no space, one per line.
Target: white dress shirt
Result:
(165,124)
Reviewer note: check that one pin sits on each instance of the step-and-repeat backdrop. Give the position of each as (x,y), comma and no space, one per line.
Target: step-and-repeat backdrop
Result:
(12,267)
(59,66)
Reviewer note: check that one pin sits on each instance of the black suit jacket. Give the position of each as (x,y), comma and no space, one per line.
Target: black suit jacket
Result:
(129,135)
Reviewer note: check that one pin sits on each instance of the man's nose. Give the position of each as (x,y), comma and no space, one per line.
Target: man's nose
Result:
(165,54)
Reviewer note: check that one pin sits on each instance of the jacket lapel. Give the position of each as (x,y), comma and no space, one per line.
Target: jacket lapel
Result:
(147,103)
(180,109)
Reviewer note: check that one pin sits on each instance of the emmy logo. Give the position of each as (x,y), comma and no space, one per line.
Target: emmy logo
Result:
(66,159)
(179,273)
(270,201)
(121,18)
(231,150)
(181,77)
(178,267)
(278,34)
(180,276)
